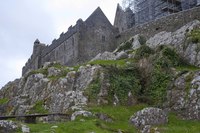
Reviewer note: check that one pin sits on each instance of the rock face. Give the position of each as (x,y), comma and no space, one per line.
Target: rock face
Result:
(8,126)
(55,95)
(184,96)
(149,116)
(179,40)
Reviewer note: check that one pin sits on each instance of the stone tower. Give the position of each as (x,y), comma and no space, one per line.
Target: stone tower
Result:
(124,19)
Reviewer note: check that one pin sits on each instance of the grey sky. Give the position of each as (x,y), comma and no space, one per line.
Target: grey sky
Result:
(22,21)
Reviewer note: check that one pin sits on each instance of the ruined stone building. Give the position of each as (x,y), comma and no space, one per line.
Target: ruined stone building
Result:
(79,44)
(96,34)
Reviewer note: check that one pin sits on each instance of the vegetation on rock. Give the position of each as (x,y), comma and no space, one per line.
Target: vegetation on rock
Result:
(38,108)
(4,101)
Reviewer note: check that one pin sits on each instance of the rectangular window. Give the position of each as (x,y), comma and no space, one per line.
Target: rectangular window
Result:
(103,38)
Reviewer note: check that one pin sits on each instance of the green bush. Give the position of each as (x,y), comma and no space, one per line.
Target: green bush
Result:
(142,40)
(122,82)
(167,57)
(93,90)
(143,52)
(194,36)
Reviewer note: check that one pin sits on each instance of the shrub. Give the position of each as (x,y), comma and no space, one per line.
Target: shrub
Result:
(93,90)
(143,52)
(122,82)
(142,40)
(194,36)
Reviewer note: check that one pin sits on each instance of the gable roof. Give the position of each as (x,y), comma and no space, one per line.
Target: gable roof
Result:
(98,15)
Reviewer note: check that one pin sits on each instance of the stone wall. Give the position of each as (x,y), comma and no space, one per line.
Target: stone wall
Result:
(65,49)
(96,36)
(169,23)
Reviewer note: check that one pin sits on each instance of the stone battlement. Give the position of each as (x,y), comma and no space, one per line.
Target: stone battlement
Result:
(63,36)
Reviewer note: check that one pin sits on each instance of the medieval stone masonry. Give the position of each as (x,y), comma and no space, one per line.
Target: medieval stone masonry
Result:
(96,34)
(79,44)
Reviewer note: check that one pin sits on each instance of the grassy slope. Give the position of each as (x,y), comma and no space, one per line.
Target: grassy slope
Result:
(120,115)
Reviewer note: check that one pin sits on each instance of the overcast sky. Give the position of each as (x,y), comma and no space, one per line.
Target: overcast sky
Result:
(22,21)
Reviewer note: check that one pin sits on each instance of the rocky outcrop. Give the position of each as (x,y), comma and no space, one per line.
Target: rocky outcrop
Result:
(147,117)
(179,40)
(8,126)
(55,94)
(184,96)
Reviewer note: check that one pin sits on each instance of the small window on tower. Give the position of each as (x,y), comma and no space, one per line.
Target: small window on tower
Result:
(103,38)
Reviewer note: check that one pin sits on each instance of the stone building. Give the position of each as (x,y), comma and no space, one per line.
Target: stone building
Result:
(96,34)
(79,44)
(124,19)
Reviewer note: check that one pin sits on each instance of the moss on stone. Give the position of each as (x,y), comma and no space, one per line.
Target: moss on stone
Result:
(194,36)
(93,90)
(126,45)
(4,101)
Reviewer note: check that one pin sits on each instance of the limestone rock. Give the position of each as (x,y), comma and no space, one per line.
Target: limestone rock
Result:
(25,129)
(52,71)
(162,38)
(184,96)
(121,55)
(177,39)
(136,43)
(103,117)
(8,126)
(57,95)
(149,116)
(80,113)
(105,56)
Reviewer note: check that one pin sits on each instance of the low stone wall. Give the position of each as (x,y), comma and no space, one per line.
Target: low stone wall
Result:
(167,23)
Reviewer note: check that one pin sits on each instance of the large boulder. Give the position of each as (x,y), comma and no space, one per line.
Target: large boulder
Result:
(149,116)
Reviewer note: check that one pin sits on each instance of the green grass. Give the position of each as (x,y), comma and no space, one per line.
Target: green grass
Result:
(118,63)
(4,101)
(187,68)
(176,125)
(119,114)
